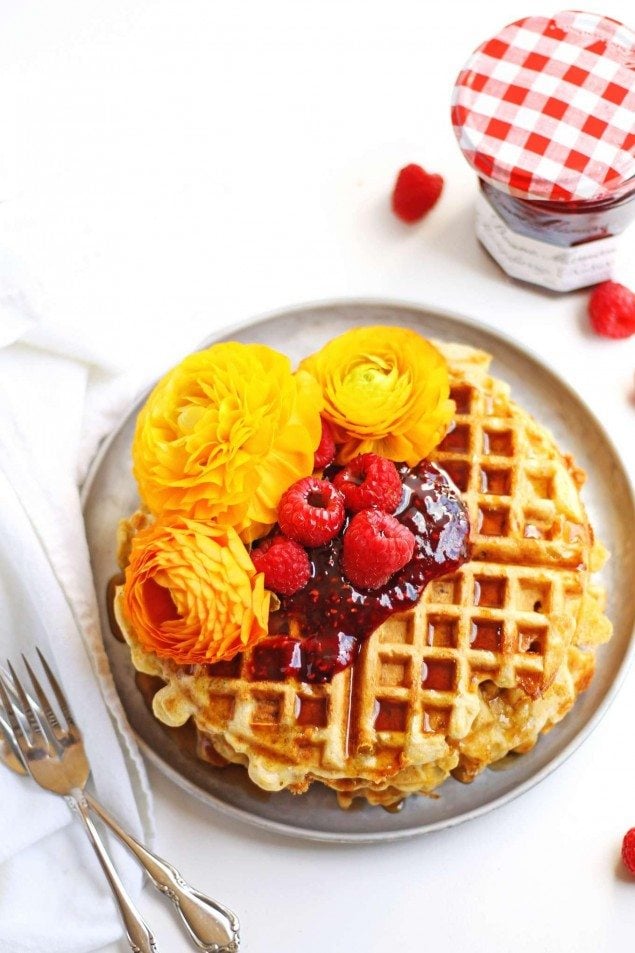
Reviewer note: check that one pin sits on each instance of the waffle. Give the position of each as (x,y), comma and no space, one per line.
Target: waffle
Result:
(490,657)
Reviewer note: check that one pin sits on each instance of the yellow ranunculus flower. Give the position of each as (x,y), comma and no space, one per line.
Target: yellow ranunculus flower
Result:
(224,434)
(386,390)
(192,593)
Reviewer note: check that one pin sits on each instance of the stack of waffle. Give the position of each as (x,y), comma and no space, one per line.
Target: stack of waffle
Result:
(492,655)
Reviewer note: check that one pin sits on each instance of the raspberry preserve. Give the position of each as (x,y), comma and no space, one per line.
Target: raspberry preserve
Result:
(317,632)
(566,224)
(545,113)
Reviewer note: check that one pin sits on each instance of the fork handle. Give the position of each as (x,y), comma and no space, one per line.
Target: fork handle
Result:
(139,936)
(211,925)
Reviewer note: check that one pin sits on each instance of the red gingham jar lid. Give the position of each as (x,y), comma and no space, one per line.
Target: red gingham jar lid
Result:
(546,109)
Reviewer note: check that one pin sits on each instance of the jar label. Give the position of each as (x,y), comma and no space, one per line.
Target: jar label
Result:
(552,266)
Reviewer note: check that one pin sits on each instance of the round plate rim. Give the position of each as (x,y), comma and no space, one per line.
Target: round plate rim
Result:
(368,837)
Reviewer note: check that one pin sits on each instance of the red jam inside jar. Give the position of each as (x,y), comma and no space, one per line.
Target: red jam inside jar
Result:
(566,224)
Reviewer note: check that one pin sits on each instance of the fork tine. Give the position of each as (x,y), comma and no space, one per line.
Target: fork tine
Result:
(16,728)
(13,694)
(45,705)
(7,682)
(9,738)
(59,694)
(25,704)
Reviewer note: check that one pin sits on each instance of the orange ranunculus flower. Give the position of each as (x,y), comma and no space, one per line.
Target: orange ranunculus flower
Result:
(192,593)
(386,390)
(224,434)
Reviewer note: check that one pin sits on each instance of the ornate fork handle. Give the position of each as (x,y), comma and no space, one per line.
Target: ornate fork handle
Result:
(211,926)
(139,937)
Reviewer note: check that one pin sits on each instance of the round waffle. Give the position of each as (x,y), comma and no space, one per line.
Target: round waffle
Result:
(490,657)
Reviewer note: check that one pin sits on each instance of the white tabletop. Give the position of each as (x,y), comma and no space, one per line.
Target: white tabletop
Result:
(199,163)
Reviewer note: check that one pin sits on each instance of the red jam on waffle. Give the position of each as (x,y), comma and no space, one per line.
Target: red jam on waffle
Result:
(330,617)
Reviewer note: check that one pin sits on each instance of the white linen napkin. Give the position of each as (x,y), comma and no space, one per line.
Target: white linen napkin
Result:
(52,893)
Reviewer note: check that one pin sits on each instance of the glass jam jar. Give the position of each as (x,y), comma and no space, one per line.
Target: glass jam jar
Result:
(545,113)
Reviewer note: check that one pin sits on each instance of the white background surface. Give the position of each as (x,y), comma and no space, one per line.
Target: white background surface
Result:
(171,168)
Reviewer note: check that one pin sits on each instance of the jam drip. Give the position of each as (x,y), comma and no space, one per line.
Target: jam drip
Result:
(317,632)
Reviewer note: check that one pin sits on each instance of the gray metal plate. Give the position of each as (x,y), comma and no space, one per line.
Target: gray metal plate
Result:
(110,493)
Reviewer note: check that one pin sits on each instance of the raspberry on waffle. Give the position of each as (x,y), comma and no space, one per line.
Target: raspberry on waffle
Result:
(311,511)
(284,563)
(375,547)
(369,480)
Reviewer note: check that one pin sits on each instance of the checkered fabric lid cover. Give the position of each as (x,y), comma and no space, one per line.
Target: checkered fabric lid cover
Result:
(546,109)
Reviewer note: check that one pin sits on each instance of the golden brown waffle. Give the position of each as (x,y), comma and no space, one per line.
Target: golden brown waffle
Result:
(508,723)
(487,660)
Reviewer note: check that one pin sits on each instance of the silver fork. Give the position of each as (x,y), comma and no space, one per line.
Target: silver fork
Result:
(54,755)
(62,772)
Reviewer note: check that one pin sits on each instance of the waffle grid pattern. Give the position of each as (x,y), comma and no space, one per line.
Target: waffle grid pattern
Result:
(414,684)
(523,506)
(506,617)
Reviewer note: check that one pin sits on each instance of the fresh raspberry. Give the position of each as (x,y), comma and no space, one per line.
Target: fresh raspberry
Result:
(415,193)
(376,545)
(369,480)
(628,850)
(326,448)
(285,565)
(311,511)
(612,310)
